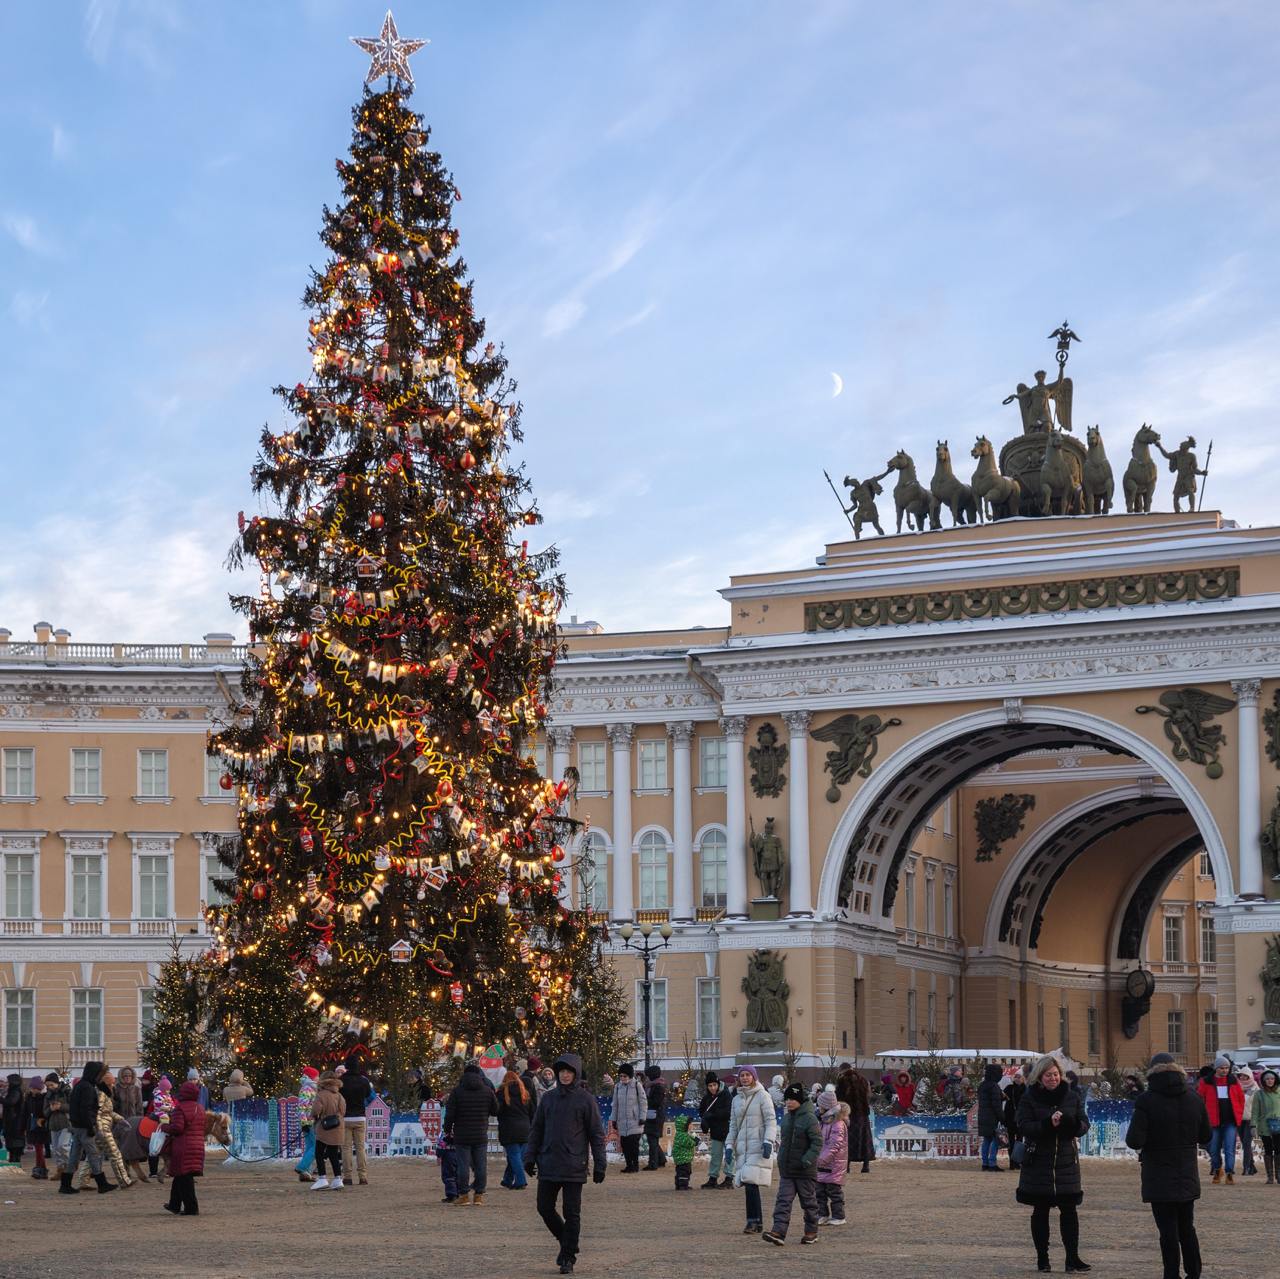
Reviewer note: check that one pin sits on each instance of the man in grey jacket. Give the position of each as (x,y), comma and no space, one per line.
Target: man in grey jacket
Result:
(566,1128)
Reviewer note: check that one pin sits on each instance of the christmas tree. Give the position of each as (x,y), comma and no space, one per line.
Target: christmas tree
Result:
(180,1035)
(399,848)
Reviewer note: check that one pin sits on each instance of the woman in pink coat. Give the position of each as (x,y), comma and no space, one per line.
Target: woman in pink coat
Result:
(833,1158)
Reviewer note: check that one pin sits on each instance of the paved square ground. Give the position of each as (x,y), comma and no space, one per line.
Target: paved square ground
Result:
(931,1220)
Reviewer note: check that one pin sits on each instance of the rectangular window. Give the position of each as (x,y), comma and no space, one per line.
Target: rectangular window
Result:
(657,1008)
(19,1018)
(86,1019)
(146,1010)
(1177,1033)
(931,1015)
(713,761)
(86,771)
(713,867)
(953,1031)
(593,873)
(948,908)
(930,906)
(912,1033)
(947,828)
(653,764)
(592,766)
(1040,1026)
(18,776)
(708,1007)
(1173,939)
(1205,866)
(153,886)
(1064,1028)
(215,768)
(215,872)
(20,885)
(654,885)
(909,898)
(1210,1032)
(540,757)
(86,886)
(153,774)
(1208,941)
(1095,1042)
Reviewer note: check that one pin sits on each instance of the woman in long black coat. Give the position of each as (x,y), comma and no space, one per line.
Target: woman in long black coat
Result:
(855,1091)
(1169,1125)
(1050,1119)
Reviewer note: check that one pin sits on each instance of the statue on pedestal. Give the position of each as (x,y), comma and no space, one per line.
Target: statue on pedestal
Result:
(1182,462)
(769,859)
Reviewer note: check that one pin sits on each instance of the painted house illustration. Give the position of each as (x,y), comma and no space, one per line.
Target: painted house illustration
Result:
(377,1132)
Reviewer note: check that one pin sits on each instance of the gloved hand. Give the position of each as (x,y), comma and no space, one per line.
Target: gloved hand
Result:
(531,1170)
(598,1175)
(766,1150)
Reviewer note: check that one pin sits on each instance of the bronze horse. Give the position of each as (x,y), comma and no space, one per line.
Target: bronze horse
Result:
(910,496)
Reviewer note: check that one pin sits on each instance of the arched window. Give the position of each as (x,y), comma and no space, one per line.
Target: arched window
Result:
(593,872)
(654,871)
(714,864)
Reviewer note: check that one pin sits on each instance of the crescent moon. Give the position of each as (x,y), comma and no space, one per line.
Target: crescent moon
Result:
(837,385)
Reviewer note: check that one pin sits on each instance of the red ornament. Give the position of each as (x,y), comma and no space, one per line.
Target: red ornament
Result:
(377,519)
(304,639)
(226,781)
(557,853)
(467,461)
(445,788)
(455,993)
(351,764)
(260,890)
(307,840)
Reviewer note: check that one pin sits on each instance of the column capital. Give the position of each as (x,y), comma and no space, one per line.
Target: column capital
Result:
(620,735)
(734,726)
(681,732)
(1247,691)
(560,736)
(798,722)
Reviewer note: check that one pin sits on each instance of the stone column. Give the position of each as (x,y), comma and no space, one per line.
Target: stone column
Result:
(561,739)
(734,728)
(620,737)
(798,808)
(1249,805)
(682,793)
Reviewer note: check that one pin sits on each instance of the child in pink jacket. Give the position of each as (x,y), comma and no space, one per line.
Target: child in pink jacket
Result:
(833,1158)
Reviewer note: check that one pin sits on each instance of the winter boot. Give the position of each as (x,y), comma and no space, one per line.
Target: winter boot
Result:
(64,1185)
(104,1186)
(1217,1177)
(40,1174)
(1231,1179)
(710,1184)
(1269,1162)
(478,1200)
(1076,1266)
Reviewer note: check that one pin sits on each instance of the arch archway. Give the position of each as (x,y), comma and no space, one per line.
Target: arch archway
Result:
(875,832)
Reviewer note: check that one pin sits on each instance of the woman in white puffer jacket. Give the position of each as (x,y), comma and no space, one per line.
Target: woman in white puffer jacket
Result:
(753,1138)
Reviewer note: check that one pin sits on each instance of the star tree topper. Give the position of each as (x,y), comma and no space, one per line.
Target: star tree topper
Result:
(390,54)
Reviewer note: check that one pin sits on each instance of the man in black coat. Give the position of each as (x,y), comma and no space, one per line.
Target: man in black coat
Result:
(715,1110)
(466,1120)
(84,1124)
(655,1117)
(566,1127)
(1169,1125)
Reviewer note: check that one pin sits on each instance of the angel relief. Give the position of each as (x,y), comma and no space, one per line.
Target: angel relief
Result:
(1188,714)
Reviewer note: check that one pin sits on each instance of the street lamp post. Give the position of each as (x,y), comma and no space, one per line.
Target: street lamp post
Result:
(646,949)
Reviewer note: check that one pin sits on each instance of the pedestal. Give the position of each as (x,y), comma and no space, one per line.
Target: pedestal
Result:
(1021,457)
(766,908)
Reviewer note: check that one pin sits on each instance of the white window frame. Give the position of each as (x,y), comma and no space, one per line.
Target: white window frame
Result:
(87,855)
(931,1014)
(1174,926)
(1208,940)
(1177,1017)
(1204,864)
(659,1007)
(948,825)
(953,1030)
(540,758)
(76,991)
(600,882)
(593,778)
(13,996)
(913,1031)
(930,899)
(210,869)
(948,903)
(23,787)
(721,865)
(24,865)
(153,796)
(81,796)
(909,895)
(215,767)
(152,844)
(707,989)
(1093,1029)
(146,997)
(713,762)
(647,842)
(652,772)
(20,844)
(1212,1041)
(1064,1028)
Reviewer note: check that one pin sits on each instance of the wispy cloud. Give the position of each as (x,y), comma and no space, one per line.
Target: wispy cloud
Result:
(132,26)
(562,316)
(60,144)
(568,312)
(29,309)
(27,233)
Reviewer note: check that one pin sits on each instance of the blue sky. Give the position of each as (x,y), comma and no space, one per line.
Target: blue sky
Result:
(681,218)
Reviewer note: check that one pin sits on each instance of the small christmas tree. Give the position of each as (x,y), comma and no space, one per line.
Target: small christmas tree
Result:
(179,1036)
(400,851)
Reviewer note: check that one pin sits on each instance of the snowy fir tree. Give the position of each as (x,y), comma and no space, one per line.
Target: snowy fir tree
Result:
(397,841)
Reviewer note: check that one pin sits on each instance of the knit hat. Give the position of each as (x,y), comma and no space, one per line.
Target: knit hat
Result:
(53,1078)
(826,1103)
(164,1084)
(1221,1060)
(535,1063)
(711,1078)
(794,1092)
(148,1077)
(193,1075)
(36,1082)
(1161,1059)
(652,1072)
(749,1070)
(310,1072)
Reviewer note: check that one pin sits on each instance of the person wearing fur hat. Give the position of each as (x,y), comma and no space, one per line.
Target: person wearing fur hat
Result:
(1264,1113)
(833,1159)
(715,1109)
(1051,1119)
(855,1091)
(627,1116)
(1224,1100)
(799,1145)
(307,1086)
(1169,1125)
(236,1089)
(328,1109)
(126,1096)
(753,1134)
(655,1116)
